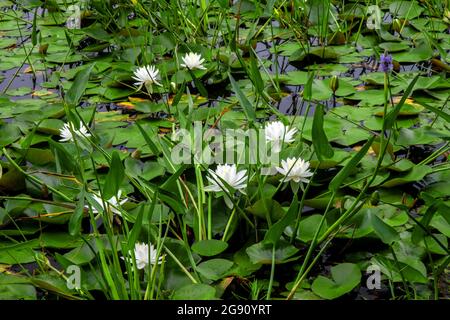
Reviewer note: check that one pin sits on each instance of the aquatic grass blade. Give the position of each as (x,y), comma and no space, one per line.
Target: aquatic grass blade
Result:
(245,103)
(319,138)
(307,90)
(255,74)
(76,91)
(34,30)
(77,215)
(115,177)
(136,230)
(392,115)
(274,233)
(337,181)
(418,232)
(437,111)
(153,147)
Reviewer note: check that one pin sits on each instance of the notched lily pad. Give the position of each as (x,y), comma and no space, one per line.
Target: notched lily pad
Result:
(416,174)
(344,277)
(197,291)
(209,248)
(262,253)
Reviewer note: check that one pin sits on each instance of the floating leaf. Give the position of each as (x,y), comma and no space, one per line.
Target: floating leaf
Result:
(386,233)
(17,292)
(417,173)
(209,248)
(405,9)
(15,254)
(262,253)
(78,87)
(344,277)
(197,291)
(214,269)
(308,225)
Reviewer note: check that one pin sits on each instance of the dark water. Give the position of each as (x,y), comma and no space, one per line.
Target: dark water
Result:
(12,81)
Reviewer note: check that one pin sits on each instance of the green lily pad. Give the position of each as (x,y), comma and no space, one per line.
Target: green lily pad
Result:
(262,253)
(417,136)
(209,248)
(197,291)
(22,91)
(214,269)
(10,133)
(421,53)
(17,292)
(15,254)
(411,268)
(308,226)
(417,173)
(316,54)
(440,223)
(385,232)
(344,278)
(394,46)
(405,9)
(402,165)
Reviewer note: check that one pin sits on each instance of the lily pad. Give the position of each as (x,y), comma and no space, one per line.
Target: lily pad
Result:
(416,174)
(209,248)
(214,269)
(198,291)
(344,278)
(262,253)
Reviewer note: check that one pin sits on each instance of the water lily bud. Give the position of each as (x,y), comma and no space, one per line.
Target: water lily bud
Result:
(334,83)
(396,65)
(375,198)
(44,191)
(439,65)
(43,48)
(397,25)
(136,154)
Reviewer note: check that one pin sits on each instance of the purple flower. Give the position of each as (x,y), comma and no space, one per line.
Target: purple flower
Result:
(386,64)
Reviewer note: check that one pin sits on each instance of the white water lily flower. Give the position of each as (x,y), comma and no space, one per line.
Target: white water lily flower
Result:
(146,75)
(277,133)
(66,133)
(111,204)
(295,169)
(193,61)
(141,253)
(229,174)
